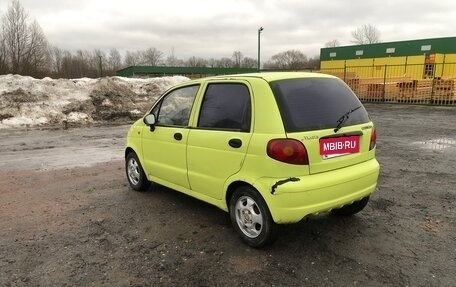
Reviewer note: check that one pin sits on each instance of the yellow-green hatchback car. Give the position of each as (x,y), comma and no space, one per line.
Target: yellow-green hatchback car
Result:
(269,148)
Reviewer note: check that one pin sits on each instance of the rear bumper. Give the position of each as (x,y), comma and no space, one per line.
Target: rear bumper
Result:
(319,193)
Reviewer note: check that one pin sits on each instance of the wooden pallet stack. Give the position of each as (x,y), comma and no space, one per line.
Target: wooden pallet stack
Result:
(444,89)
(353,84)
(406,90)
(392,89)
(423,90)
(379,89)
(414,90)
(370,89)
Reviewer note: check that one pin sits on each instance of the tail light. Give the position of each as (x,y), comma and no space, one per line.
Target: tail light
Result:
(373,140)
(288,151)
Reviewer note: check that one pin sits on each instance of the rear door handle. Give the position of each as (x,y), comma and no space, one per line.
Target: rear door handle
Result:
(236,143)
(178,136)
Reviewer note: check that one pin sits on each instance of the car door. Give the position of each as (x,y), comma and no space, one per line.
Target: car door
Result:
(217,146)
(164,145)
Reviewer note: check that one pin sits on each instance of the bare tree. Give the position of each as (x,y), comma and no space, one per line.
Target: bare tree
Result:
(173,61)
(288,60)
(56,60)
(114,60)
(27,49)
(81,64)
(248,62)
(332,43)
(15,29)
(131,59)
(196,62)
(37,56)
(98,58)
(366,34)
(67,67)
(237,59)
(212,63)
(151,57)
(85,64)
(314,63)
(3,52)
(225,63)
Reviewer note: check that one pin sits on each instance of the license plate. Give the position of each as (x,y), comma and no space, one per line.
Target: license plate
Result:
(333,147)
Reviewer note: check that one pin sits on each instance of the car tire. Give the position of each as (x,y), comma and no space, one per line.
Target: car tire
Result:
(135,173)
(353,208)
(251,218)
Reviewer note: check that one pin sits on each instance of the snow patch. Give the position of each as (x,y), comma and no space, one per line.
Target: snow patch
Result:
(23,121)
(25,101)
(77,117)
(136,112)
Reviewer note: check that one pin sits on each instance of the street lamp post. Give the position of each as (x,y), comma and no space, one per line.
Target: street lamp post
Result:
(259,33)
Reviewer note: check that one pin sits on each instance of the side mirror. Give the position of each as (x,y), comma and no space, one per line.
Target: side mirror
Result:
(149,120)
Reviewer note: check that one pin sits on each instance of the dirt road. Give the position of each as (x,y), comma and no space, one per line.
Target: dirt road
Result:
(67,218)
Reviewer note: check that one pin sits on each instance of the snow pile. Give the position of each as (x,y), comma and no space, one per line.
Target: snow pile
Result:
(25,101)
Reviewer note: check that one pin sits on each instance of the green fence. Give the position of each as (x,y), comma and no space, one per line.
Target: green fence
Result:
(191,72)
(433,84)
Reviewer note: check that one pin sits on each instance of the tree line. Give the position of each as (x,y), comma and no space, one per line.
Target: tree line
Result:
(25,50)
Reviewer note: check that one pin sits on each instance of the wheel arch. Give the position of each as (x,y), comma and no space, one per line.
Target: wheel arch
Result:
(232,187)
(129,150)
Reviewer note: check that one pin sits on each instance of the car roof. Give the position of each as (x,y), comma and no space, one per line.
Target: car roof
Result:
(267,76)
(274,76)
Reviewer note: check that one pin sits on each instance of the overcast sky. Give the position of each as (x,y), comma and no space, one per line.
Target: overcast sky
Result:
(210,28)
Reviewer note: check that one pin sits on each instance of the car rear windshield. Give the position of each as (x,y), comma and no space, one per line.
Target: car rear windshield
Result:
(316,103)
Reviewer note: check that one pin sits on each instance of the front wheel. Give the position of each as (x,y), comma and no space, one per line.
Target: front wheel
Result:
(251,218)
(135,173)
(353,208)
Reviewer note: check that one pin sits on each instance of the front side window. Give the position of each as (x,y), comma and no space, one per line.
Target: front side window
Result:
(174,109)
(226,106)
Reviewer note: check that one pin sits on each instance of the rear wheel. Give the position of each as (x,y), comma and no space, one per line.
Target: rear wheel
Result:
(353,208)
(251,218)
(135,173)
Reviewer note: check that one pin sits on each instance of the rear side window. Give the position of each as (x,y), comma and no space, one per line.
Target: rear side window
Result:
(226,107)
(316,103)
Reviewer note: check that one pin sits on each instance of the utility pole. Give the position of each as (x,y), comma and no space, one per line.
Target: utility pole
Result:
(259,33)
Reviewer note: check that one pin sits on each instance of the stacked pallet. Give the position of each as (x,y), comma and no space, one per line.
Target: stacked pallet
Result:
(378,89)
(423,90)
(414,90)
(444,89)
(353,84)
(370,89)
(406,90)
(403,89)
(392,89)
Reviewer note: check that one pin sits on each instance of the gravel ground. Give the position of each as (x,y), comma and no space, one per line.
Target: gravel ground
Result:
(68,218)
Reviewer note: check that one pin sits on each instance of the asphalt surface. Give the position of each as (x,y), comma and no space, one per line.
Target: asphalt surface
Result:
(68,218)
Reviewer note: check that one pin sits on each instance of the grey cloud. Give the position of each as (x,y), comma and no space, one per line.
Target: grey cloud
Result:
(289,24)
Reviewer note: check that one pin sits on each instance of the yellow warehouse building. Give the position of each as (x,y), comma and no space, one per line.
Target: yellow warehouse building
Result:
(416,70)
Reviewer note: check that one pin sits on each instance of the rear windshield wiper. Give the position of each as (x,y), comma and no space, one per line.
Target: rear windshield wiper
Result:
(343,118)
